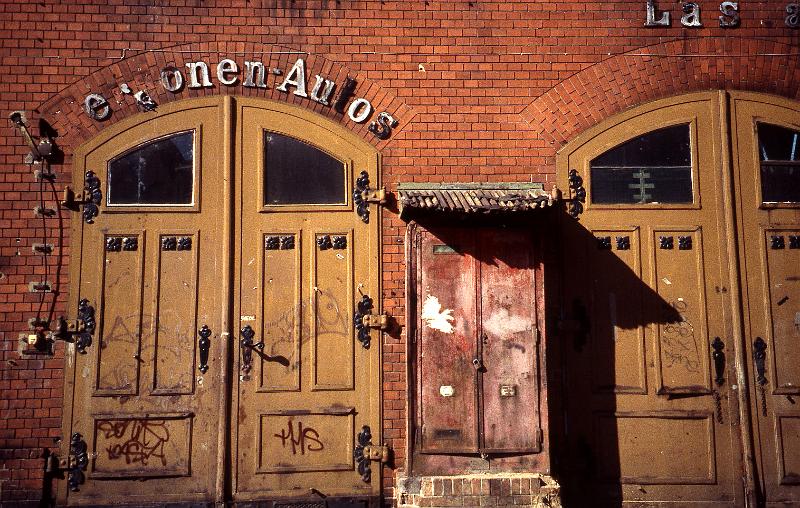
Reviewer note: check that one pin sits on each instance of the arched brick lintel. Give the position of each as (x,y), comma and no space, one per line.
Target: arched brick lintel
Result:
(64,111)
(659,71)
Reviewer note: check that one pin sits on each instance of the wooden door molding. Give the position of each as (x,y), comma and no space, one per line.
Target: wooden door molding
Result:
(206,234)
(302,269)
(767,272)
(672,292)
(124,264)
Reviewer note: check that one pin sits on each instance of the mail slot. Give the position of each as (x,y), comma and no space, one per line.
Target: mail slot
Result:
(477,352)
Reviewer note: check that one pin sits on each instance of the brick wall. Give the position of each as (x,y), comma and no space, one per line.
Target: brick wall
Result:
(533,490)
(486,91)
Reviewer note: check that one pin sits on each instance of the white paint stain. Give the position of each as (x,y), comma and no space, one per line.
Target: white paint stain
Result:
(501,323)
(435,317)
(667,281)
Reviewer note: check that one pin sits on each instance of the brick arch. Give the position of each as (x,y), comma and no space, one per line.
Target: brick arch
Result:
(659,71)
(64,111)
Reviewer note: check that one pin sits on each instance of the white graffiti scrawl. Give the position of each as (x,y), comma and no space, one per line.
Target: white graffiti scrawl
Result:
(435,317)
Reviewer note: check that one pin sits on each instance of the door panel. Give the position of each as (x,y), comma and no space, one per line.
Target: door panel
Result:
(770,251)
(509,342)
(303,270)
(151,273)
(155,265)
(477,404)
(448,398)
(645,425)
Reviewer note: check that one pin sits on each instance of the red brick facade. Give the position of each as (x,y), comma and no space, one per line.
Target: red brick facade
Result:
(483,90)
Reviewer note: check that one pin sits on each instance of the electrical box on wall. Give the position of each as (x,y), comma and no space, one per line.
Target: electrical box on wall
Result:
(478,362)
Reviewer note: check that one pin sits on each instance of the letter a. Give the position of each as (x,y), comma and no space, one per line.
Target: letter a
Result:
(297,78)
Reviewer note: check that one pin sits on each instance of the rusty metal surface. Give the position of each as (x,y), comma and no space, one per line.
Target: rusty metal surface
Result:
(472,198)
(477,372)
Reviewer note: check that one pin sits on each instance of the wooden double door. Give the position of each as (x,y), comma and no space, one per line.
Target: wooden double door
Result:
(681,336)
(218,273)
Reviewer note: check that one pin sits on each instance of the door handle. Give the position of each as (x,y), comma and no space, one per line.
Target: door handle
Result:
(204,344)
(246,344)
(719,361)
(759,358)
(719,369)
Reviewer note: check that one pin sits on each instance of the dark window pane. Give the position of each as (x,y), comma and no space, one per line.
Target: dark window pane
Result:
(653,168)
(300,174)
(778,143)
(780,165)
(158,173)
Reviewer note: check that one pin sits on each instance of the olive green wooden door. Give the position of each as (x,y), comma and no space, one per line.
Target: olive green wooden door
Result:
(225,213)
(149,265)
(306,259)
(651,417)
(766,148)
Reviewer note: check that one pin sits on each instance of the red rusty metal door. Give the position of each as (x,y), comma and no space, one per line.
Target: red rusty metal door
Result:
(477,380)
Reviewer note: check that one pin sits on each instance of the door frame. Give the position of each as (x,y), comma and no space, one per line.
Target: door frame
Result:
(353,142)
(228,335)
(726,218)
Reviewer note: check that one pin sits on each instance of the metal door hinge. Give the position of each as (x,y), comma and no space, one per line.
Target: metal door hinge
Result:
(74,464)
(90,198)
(80,330)
(364,320)
(365,452)
(375,195)
(363,195)
(377,453)
(379,321)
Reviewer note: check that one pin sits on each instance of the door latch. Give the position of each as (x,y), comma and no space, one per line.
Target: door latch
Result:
(247,346)
(74,464)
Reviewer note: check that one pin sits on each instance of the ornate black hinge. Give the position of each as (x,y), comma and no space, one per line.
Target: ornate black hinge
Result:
(577,194)
(366,452)
(363,195)
(78,331)
(74,464)
(90,198)
(364,319)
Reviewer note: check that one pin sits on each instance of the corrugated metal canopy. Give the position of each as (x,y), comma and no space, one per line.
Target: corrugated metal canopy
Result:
(480,198)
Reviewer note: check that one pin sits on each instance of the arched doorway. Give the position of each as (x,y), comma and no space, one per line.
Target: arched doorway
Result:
(696,196)
(224,267)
